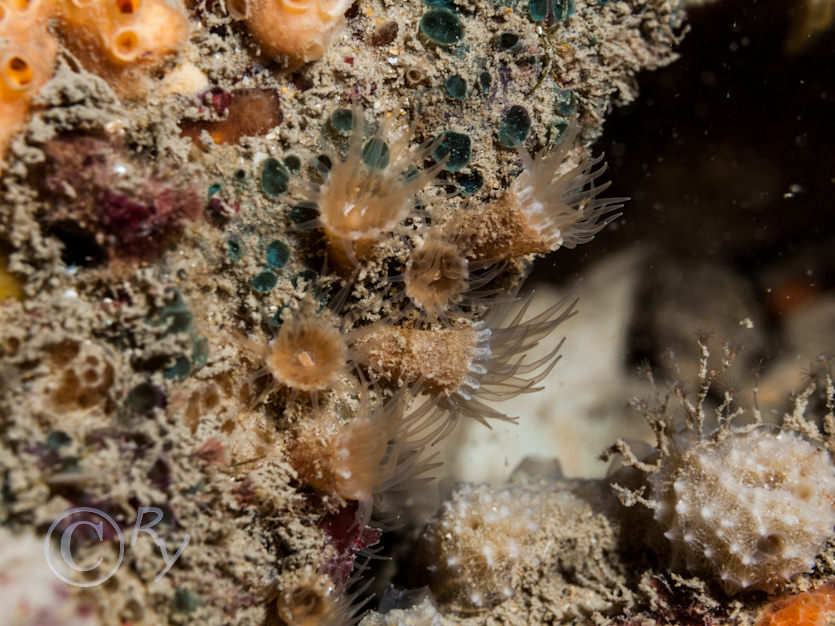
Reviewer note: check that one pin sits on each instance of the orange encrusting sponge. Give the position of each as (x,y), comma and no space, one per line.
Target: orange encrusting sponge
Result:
(811,608)
(122,40)
(27,57)
(299,30)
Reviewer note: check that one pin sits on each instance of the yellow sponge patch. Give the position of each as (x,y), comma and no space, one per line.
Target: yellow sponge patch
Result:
(10,285)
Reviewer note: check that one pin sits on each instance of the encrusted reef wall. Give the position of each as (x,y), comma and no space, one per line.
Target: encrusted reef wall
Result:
(258,257)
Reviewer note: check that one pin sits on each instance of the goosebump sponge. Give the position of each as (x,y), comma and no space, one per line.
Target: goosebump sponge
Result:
(752,509)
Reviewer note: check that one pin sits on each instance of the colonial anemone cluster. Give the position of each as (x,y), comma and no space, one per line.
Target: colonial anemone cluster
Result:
(369,384)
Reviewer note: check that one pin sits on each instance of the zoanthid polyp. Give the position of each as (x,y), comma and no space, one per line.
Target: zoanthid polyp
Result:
(463,367)
(368,192)
(440,281)
(547,206)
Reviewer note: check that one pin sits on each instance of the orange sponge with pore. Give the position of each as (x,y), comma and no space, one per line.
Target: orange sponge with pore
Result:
(27,57)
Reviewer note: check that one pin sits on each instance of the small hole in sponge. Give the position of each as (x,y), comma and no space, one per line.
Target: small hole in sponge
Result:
(126,44)
(803,491)
(67,393)
(87,399)
(18,73)
(771,545)
(91,377)
(127,7)
(211,399)
(192,415)
(64,352)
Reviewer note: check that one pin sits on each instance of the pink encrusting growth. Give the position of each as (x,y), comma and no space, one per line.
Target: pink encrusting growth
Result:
(129,206)
(347,459)
(544,209)
(369,192)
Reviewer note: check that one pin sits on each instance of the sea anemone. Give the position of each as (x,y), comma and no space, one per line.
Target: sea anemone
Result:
(344,458)
(362,447)
(368,192)
(312,599)
(436,276)
(308,355)
(439,279)
(463,367)
(545,208)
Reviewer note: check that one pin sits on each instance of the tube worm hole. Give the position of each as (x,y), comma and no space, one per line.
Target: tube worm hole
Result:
(414,76)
